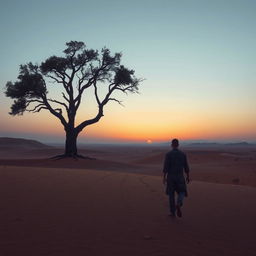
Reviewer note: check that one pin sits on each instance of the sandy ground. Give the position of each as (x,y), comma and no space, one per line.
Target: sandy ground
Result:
(225,165)
(84,212)
(116,205)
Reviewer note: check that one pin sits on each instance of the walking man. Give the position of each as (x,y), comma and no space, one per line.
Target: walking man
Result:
(175,165)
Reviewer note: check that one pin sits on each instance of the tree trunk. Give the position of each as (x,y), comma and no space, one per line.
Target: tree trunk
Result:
(71,139)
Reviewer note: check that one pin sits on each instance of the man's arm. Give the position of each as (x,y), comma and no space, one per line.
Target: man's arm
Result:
(187,170)
(165,178)
(165,170)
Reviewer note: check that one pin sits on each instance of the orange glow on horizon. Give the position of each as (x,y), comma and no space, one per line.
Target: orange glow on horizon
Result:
(154,126)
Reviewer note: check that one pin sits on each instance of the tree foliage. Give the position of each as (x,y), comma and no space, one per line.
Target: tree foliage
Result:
(89,66)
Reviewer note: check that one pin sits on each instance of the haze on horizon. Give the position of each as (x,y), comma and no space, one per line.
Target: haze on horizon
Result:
(198,59)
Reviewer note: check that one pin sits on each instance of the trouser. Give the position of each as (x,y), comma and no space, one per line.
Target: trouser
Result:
(172,202)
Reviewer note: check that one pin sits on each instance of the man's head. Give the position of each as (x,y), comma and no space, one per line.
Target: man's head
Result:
(175,143)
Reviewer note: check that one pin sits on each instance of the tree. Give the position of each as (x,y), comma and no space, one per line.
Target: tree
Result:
(76,72)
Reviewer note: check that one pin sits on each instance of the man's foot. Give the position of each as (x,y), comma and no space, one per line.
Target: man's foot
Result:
(173,215)
(179,213)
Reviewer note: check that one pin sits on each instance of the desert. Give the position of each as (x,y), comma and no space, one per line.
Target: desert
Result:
(114,203)
(128,128)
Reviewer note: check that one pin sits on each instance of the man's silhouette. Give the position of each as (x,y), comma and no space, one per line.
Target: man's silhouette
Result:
(175,165)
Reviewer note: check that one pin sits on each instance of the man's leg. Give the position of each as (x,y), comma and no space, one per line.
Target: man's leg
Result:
(172,202)
(180,198)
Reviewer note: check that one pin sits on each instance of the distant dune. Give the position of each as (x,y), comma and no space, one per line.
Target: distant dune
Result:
(23,148)
(215,144)
(6,142)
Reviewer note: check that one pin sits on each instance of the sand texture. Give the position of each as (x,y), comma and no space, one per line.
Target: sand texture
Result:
(117,206)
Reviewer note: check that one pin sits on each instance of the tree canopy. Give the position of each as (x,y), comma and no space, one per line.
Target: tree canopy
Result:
(78,70)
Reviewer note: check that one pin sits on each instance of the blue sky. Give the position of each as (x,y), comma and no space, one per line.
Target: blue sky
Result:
(198,59)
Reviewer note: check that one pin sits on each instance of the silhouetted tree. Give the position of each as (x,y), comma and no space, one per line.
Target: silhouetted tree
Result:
(78,70)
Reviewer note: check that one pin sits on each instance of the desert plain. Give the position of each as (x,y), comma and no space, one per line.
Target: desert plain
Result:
(115,203)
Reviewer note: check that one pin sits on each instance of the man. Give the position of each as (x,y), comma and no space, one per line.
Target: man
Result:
(174,165)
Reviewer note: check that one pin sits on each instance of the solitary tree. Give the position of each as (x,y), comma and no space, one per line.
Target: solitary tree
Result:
(79,70)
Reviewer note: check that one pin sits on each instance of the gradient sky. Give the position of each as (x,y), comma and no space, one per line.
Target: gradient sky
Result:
(198,59)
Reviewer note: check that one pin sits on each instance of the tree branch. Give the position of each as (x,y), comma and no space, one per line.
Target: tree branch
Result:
(32,101)
(118,101)
(62,77)
(65,97)
(82,125)
(59,102)
(78,98)
(96,93)
(55,79)
(35,109)
(126,89)
(58,109)
(53,111)
(110,86)
(92,80)
(38,110)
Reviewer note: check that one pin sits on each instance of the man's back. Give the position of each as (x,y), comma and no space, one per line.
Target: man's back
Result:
(175,163)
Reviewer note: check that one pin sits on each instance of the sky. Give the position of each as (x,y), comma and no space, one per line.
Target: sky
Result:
(197,59)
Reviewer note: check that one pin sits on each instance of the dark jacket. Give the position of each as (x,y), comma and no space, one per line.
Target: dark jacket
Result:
(174,165)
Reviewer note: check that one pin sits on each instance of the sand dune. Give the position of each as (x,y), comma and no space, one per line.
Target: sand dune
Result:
(47,211)
(16,143)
